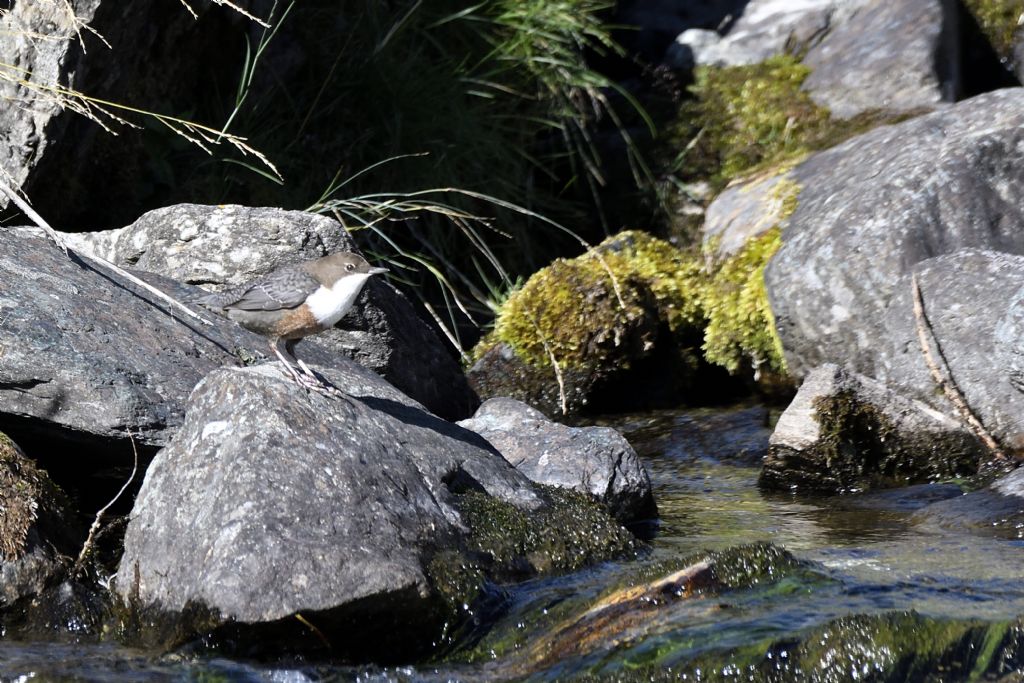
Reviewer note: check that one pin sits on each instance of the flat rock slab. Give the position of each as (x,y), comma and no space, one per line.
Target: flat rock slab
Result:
(847,433)
(594,460)
(88,356)
(219,247)
(271,501)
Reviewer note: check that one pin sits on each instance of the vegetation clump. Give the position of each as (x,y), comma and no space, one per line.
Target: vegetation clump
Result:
(608,305)
(26,496)
(1000,21)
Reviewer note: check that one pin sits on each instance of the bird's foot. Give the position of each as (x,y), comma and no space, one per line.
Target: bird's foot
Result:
(311,381)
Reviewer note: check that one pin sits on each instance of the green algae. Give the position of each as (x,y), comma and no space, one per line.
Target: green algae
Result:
(570,532)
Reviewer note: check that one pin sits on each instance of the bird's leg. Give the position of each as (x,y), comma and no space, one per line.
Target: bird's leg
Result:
(308,379)
(295,375)
(289,347)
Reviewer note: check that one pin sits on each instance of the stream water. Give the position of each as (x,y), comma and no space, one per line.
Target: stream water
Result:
(863,554)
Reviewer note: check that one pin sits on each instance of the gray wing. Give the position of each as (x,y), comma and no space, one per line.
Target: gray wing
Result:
(281,290)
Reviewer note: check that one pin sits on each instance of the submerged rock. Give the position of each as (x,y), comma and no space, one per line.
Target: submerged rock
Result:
(844,432)
(593,460)
(218,247)
(38,530)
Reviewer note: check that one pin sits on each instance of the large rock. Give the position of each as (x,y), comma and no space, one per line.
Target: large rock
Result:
(593,460)
(872,208)
(218,247)
(272,501)
(844,432)
(47,44)
(892,55)
(86,356)
(763,28)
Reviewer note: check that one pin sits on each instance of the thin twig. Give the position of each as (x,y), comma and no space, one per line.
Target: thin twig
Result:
(94,529)
(945,380)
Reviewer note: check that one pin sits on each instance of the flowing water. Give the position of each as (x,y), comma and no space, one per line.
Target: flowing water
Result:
(863,554)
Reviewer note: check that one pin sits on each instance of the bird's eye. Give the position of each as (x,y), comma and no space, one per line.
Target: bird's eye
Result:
(350,267)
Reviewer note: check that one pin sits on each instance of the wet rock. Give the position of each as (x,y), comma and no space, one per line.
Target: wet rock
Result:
(894,646)
(893,55)
(271,501)
(87,357)
(218,247)
(38,530)
(996,510)
(593,460)
(872,208)
(844,432)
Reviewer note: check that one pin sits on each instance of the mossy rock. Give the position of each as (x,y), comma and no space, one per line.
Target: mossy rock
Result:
(999,21)
(632,302)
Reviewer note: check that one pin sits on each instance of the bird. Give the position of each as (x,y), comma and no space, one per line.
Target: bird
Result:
(295,301)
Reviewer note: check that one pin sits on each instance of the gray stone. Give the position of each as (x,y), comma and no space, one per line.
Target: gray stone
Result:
(764,29)
(996,510)
(974,301)
(593,460)
(218,247)
(86,356)
(872,208)
(844,432)
(271,501)
(744,210)
(892,55)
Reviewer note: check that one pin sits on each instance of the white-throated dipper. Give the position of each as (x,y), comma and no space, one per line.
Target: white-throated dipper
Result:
(296,301)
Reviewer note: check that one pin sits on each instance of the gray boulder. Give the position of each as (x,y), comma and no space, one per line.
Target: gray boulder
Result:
(872,208)
(272,501)
(86,356)
(763,29)
(593,460)
(218,247)
(847,433)
(996,510)
(744,210)
(892,55)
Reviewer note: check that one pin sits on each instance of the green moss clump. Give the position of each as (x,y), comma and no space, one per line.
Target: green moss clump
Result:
(571,309)
(570,532)
(752,114)
(604,304)
(999,21)
(741,327)
(744,118)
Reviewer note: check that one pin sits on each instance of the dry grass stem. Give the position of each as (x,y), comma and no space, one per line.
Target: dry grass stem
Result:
(945,379)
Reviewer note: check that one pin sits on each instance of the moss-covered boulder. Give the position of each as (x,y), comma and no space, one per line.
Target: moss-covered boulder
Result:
(846,433)
(633,319)
(37,527)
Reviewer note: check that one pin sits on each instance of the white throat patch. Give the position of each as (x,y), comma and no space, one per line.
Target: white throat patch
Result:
(330,305)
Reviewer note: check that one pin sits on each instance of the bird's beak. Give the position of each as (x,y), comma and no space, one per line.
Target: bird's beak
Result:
(378,271)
